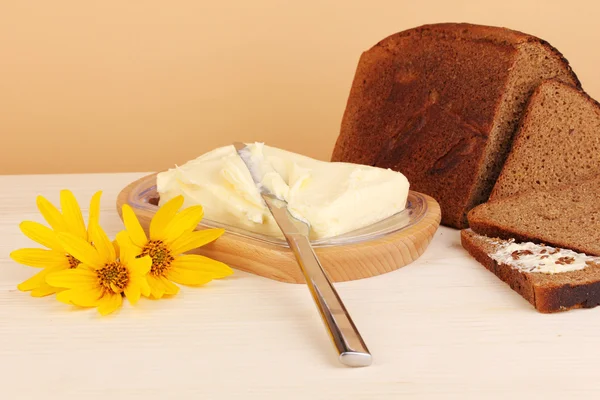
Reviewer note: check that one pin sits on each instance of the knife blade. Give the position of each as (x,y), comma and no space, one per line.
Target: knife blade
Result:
(351,348)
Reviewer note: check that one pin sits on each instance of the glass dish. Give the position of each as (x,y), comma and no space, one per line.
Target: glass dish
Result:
(144,196)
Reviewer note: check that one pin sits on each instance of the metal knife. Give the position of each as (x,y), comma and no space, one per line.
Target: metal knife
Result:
(349,344)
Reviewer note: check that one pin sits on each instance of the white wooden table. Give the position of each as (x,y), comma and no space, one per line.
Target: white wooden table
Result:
(442,327)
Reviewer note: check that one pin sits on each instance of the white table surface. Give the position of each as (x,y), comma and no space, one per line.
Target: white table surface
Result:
(442,327)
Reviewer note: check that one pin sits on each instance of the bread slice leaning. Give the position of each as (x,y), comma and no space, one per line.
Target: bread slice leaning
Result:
(440,103)
(558,142)
(566,216)
(548,293)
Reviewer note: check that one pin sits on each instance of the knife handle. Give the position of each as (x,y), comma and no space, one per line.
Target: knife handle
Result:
(350,346)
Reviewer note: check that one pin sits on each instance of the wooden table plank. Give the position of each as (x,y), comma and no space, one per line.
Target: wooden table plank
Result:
(442,327)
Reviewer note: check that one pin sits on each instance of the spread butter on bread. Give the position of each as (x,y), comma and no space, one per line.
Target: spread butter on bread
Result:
(551,279)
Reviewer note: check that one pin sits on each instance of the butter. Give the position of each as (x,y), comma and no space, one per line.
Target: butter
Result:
(334,198)
(531,257)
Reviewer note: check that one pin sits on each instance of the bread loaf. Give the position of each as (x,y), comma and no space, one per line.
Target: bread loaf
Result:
(440,103)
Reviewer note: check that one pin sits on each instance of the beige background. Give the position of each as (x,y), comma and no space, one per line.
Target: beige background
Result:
(91,86)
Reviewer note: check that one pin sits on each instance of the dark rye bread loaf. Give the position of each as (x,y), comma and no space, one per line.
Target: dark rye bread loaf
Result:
(546,292)
(440,103)
(558,142)
(565,216)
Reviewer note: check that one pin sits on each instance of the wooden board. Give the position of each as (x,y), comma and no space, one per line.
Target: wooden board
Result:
(342,263)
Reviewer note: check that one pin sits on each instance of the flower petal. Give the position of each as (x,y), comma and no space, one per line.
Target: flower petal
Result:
(103,244)
(81,298)
(196,239)
(157,288)
(185,221)
(142,281)
(85,267)
(38,279)
(44,290)
(94,215)
(170,287)
(134,229)
(188,277)
(194,262)
(41,234)
(72,278)
(51,214)
(117,248)
(127,250)
(163,216)
(133,292)
(140,266)
(109,303)
(39,258)
(33,282)
(81,249)
(72,214)
(65,297)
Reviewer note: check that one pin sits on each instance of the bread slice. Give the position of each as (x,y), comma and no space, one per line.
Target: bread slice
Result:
(547,292)
(440,103)
(558,142)
(566,216)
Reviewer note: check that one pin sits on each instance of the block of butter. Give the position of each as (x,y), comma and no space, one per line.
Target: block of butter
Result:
(334,198)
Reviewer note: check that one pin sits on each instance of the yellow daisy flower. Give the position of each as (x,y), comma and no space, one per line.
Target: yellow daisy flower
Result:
(55,257)
(172,234)
(102,279)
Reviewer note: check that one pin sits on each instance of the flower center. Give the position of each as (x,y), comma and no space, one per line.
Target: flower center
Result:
(113,277)
(161,256)
(73,262)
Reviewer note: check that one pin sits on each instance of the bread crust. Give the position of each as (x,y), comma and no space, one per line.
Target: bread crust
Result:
(448,108)
(544,296)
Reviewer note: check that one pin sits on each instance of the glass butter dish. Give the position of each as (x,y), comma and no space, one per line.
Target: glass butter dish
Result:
(144,197)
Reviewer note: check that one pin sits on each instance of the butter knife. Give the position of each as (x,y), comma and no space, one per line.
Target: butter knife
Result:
(349,344)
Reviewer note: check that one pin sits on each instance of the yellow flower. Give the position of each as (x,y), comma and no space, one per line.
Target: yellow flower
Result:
(172,234)
(55,258)
(102,279)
